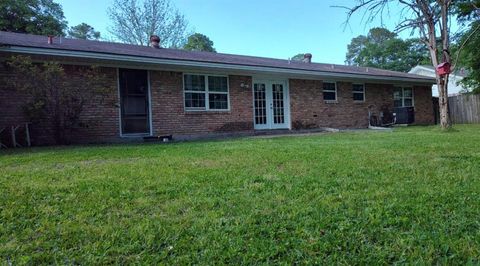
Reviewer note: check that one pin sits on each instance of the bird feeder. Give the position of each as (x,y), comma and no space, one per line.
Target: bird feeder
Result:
(443,69)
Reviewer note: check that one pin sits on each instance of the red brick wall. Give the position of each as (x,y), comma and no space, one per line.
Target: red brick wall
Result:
(169,116)
(99,119)
(422,96)
(309,110)
(307,107)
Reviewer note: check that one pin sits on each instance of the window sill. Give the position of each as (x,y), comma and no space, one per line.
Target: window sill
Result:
(359,102)
(330,101)
(202,112)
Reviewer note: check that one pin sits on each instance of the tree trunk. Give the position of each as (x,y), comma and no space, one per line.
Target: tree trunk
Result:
(445,122)
(442,84)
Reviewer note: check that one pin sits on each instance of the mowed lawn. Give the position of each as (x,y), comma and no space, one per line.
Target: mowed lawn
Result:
(408,196)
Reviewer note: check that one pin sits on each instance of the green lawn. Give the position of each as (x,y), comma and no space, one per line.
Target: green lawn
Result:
(408,196)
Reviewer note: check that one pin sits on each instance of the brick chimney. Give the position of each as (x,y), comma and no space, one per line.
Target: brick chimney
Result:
(154,41)
(307,58)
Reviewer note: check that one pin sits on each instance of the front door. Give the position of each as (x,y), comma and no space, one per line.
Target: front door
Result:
(270,103)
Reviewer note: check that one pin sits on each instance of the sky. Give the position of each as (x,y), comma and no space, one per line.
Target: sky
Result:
(268,28)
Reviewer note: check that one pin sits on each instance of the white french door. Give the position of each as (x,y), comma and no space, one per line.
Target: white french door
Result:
(271,104)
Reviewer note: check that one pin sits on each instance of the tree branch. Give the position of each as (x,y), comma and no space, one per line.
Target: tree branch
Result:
(462,45)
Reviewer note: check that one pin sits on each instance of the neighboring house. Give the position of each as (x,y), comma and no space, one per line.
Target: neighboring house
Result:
(454,87)
(190,94)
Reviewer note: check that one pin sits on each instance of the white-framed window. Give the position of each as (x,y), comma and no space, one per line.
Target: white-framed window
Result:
(402,97)
(329,91)
(205,92)
(358,91)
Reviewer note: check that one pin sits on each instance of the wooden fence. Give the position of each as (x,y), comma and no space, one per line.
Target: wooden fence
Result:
(464,108)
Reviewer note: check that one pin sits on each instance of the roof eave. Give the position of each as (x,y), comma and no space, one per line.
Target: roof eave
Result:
(211,65)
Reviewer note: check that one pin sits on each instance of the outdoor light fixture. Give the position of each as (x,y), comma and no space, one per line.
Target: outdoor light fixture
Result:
(244,85)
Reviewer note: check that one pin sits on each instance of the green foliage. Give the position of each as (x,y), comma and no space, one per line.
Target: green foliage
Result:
(42,17)
(298,57)
(382,48)
(468,42)
(199,42)
(470,57)
(410,196)
(83,31)
(54,98)
(466,10)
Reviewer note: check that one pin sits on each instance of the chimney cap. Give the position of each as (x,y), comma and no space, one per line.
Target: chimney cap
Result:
(307,58)
(154,41)
(154,38)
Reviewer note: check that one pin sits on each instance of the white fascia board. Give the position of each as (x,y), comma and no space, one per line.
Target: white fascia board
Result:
(197,64)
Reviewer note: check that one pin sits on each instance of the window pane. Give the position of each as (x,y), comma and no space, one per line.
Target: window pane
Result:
(194,100)
(135,105)
(358,96)
(358,87)
(397,103)
(408,102)
(397,93)
(134,81)
(218,101)
(329,96)
(217,84)
(407,92)
(328,86)
(194,83)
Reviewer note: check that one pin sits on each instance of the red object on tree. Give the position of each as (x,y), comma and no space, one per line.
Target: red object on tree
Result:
(443,69)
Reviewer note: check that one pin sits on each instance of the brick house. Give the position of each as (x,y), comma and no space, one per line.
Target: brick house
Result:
(190,94)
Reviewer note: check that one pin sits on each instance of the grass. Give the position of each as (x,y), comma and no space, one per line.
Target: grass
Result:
(408,196)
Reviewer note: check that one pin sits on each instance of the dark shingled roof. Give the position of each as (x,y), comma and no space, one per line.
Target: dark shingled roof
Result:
(38,41)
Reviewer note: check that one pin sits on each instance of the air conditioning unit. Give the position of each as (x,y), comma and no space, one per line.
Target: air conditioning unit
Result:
(405,115)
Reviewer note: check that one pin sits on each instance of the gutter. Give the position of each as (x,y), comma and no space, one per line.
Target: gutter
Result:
(190,63)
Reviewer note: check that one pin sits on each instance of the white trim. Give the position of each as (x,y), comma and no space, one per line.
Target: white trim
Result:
(206,93)
(267,113)
(403,96)
(150,115)
(364,92)
(268,101)
(224,66)
(119,104)
(134,135)
(336,91)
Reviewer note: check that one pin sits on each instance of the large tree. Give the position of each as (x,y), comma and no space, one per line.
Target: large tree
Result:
(32,16)
(429,18)
(134,21)
(382,48)
(199,42)
(83,31)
